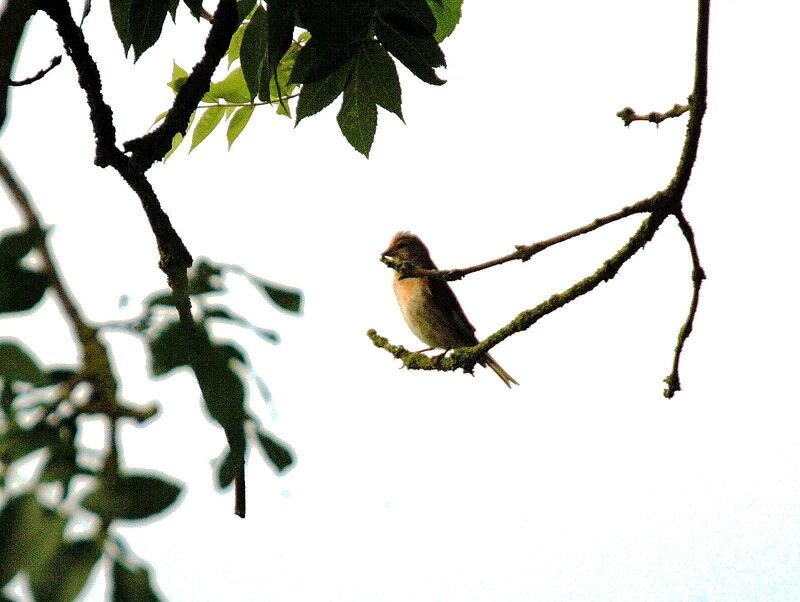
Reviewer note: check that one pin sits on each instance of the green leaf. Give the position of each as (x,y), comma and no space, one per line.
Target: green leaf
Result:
(17,365)
(276,451)
(231,465)
(416,14)
(244,8)
(20,288)
(145,23)
(448,14)
(287,298)
(206,124)
(120,15)
(204,277)
(420,54)
(379,75)
(232,89)
(16,443)
(222,388)
(132,496)
(29,535)
(315,61)
(358,116)
(253,51)
(280,27)
(179,77)
(132,584)
(172,8)
(238,123)
(169,349)
(315,96)
(63,577)
(235,47)
(162,298)
(15,245)
(337,24)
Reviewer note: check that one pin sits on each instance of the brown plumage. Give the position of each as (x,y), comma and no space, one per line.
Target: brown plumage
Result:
(430,306)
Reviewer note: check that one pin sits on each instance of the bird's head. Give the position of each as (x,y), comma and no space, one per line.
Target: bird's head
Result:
(408,248)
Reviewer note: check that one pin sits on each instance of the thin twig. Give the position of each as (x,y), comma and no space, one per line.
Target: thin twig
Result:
(628,115)
(54,62)
(673,381)
(525,252)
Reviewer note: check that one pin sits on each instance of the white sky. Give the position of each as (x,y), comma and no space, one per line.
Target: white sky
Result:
(582,484)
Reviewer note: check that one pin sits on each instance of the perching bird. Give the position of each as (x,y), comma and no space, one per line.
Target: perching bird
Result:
(429,305)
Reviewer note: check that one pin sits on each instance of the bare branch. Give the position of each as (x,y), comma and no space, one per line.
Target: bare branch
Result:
(54,62)
(673,381)
(525,252)
(628,115)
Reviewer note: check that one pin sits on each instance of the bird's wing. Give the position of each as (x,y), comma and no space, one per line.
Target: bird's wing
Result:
(445,299)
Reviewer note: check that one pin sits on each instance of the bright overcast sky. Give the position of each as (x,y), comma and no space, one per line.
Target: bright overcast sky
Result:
(584,483)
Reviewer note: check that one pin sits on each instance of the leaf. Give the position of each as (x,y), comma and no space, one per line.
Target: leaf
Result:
(231,465)
(179,77)
(358,116)
(20,288)
(206,124)
(315,61)
(276,451)
(145,23)
(17,365)
(244,8)
(65,574)
(238,123)
(169,349)
(416,14)
(132,496)
(16,443)
(253,51)
(204,278)
(29,535)
(420,54)
(337,24)
(16,244)
(222,388)
(232,89)
(120,15)
(287,298)
(280,27)
(448,14)
(234,48)
(379,75)
(132,584)
(316,95)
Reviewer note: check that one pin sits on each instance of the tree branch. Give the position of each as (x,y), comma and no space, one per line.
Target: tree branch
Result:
(628,115)
(54,62)
(155,144)
(175,258)
(673,380)
(660,206)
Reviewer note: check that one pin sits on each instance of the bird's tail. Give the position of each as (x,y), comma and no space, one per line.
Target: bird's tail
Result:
(489,362)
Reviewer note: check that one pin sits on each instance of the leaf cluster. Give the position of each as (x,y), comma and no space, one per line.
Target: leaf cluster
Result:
(41,411)
(346,48)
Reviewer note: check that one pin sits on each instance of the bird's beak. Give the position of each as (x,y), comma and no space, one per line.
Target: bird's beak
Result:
(387,253)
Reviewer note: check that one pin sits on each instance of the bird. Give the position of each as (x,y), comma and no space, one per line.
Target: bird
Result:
(430,307)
